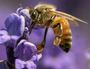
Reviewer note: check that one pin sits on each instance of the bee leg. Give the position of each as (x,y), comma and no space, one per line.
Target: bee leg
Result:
(58,34)
(57,41)
(31,27)
(41,46)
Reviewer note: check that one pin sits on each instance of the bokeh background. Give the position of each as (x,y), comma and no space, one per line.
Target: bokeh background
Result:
(55,58)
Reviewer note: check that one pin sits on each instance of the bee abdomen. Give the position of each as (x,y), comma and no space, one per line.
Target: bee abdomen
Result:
(66,41)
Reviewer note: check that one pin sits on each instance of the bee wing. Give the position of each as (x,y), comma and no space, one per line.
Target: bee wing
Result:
(70,17)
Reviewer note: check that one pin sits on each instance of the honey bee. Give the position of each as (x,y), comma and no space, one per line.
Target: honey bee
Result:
(46,16)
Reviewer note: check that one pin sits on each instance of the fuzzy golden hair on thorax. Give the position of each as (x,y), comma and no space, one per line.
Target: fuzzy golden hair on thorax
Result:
(43,6)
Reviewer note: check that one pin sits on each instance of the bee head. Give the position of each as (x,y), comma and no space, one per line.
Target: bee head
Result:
(40,9)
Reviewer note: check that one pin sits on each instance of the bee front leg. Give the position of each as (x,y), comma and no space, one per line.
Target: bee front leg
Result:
(41,46)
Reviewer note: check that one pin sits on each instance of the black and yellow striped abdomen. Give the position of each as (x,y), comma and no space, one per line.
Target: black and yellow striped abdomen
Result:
(66,39)
(64,34)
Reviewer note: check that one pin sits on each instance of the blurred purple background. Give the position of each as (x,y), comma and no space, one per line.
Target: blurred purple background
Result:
(55,58)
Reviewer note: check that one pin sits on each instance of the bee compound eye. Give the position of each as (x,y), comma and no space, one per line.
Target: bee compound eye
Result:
(34,14)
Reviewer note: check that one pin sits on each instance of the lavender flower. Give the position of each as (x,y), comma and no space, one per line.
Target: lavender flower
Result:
(26,55)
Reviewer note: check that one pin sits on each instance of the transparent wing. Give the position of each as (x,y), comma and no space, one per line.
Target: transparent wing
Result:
(74,19)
